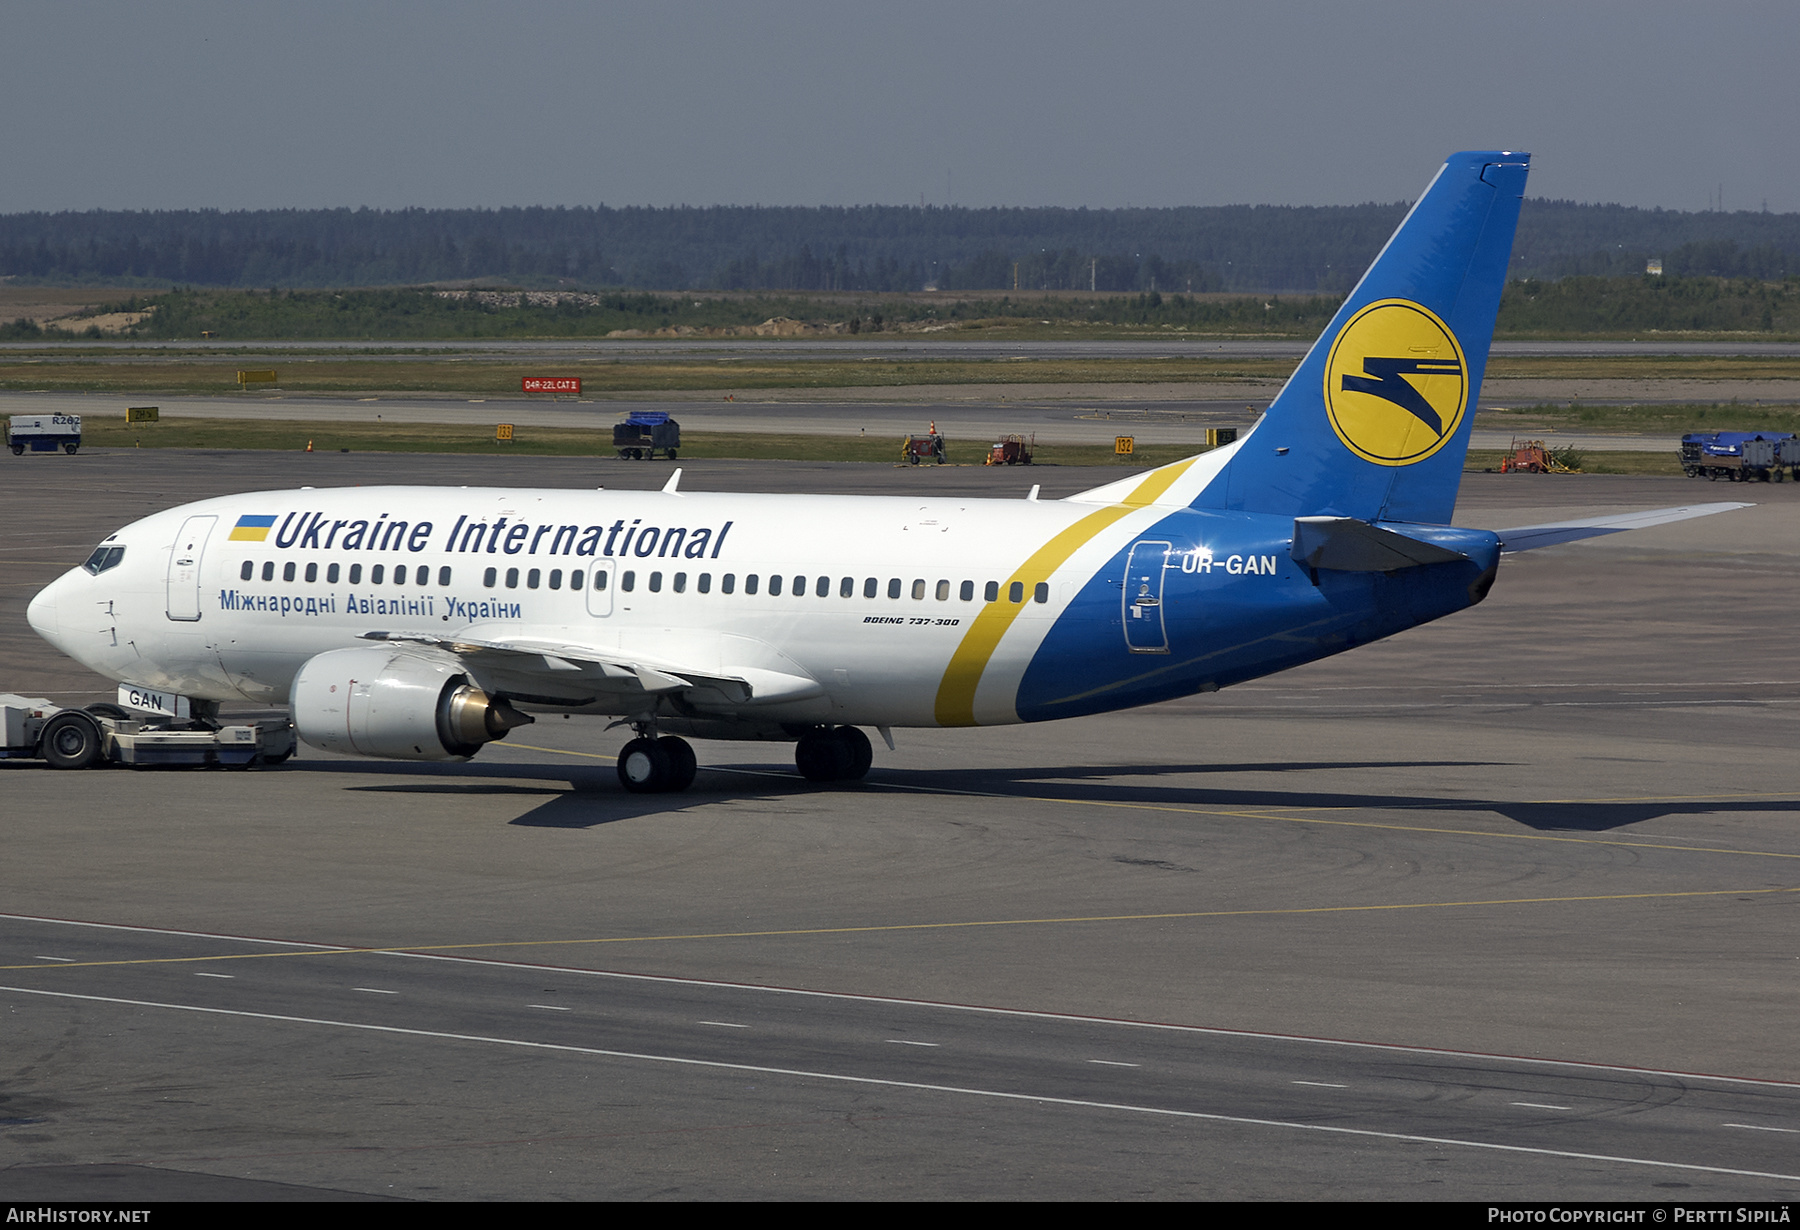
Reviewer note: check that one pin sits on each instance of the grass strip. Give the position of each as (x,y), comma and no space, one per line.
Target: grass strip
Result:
(290,436)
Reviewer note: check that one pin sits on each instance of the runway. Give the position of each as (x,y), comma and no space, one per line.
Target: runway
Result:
(1499,909)
(1154,419)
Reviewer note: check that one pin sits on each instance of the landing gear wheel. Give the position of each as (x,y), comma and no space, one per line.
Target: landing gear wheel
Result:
(862,755)
(643,767)
(682,765)
(827,754)
(71,740)
(819,757)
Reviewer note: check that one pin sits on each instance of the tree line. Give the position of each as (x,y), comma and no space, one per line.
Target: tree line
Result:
(1316,249)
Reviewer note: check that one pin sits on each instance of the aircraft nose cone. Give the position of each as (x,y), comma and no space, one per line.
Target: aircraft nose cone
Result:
(42,614)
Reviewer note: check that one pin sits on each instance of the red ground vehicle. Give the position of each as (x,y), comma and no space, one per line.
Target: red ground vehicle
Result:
(1011,451)
(923,448)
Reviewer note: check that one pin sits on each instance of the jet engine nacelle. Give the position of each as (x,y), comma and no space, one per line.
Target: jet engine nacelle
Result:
(399,703)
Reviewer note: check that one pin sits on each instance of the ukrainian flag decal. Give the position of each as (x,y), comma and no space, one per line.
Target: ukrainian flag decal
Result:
(251,529)
(1396,384)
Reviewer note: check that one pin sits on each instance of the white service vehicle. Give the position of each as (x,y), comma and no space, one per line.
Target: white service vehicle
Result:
(43,433)
(136,733)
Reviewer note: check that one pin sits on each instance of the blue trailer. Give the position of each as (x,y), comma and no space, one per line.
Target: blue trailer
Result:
(1741,456)
(643,433)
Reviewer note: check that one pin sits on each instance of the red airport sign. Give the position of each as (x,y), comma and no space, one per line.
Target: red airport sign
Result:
(551,384)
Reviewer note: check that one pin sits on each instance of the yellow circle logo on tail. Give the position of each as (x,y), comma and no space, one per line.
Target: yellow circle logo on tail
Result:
(1396,384)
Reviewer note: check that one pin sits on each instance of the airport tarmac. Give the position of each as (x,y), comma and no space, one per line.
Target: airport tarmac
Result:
(1501,909)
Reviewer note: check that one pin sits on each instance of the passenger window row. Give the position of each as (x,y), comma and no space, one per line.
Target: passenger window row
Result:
(377,573)
(822,587)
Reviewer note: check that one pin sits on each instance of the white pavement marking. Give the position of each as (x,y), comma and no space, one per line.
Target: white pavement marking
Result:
(1758,1127)
(202,974)
(1393,1048)
(959,1090)
(1114,1063)
(550,1007)
(1319,1084)
(1541,1106)
(909,1042)
(374,991)
(723,1024)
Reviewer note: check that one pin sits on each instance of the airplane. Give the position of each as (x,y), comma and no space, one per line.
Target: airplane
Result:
(420,623)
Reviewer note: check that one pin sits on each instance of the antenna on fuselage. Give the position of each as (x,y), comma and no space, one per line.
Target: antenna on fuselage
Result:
(674,481)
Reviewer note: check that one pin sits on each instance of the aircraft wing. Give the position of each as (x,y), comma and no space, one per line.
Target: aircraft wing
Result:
(1531,537)
(554,669)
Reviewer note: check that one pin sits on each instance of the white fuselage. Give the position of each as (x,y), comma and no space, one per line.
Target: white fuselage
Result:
(867,597)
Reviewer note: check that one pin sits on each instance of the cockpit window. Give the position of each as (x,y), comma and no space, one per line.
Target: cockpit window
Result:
(104,558)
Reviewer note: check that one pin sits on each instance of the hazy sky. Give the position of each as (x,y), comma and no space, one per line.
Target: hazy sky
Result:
(232,105)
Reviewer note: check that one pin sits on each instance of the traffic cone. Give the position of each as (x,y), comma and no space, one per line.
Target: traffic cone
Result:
(309,446)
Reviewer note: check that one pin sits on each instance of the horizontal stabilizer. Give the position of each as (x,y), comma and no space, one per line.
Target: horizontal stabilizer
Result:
(1345,544)
(1531,537)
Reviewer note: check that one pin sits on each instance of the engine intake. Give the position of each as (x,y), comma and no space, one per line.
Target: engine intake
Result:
(402,704)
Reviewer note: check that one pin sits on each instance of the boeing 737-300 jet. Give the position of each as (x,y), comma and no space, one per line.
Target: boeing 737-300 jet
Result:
(423,622)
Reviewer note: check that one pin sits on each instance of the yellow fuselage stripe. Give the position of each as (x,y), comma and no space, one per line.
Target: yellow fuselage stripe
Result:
(956,693)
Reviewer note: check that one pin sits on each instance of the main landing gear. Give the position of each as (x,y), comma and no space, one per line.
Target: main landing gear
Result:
(833,754)
(656,766)
(649,765)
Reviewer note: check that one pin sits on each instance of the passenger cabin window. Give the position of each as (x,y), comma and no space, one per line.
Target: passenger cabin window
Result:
(532,578)
(287,571)
(967,592)
(628,580)
(728,583)
(1041,592)
(512,578)
(356,574)
(443,575)
(894,587)
(331,574)
(244,573)
(1015,592)
(918,591)
(870,586)
(268,570)
(774,586)
(749,584)
(992,592)
(488,577)
(703,583)
(943,591)
(312,573)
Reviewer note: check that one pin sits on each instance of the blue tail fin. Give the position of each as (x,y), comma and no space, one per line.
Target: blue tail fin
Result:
(1375,422)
